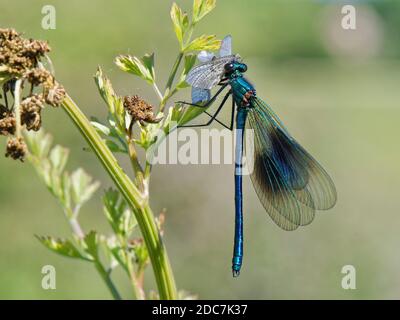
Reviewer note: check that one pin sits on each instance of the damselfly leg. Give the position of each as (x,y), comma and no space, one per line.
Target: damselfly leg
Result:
(230,127)
(213,117)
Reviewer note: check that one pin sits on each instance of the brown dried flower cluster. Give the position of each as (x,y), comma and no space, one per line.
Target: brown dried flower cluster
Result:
(7,126)
(7,122)
(30,112)
(55,94)
(39,76)
(19,54)
(20,60)
(16,149)
(140,110)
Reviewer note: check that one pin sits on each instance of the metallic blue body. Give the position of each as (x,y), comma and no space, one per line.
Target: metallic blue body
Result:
(240,87)
(238,243)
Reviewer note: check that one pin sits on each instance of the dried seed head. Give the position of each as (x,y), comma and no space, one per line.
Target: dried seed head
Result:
(7,125)
(139,109)
(54,94)
(16,148)
(36,48)
(31,108)
(40,76)
(8,34)
(19,54)
(7,121)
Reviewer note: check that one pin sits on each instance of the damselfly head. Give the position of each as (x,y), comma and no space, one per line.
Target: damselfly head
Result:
(233,66)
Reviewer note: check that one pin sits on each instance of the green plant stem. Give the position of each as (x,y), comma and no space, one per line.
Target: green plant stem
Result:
(147,170)
(76,228)
(159,95)
(139,204)
(168,88)
(137,169)
(138,290)
(106,277)
(171,79)
(137,287)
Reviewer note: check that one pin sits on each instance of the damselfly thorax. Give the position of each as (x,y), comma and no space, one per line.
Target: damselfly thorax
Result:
(242,89)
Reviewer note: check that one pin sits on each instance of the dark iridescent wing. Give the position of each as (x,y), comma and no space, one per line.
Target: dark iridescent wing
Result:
(289,182)
(207,75)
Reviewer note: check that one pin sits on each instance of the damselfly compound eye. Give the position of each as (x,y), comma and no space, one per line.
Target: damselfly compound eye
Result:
(229,67)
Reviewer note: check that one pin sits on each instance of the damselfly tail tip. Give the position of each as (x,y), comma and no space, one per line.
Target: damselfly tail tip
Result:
(235,273)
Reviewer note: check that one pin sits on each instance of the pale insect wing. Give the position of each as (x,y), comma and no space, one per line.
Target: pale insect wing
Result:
(226,46)
(200,95)
(208,74)
(205,56)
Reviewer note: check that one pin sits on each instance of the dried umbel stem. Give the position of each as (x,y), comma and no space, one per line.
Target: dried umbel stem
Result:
(20,60)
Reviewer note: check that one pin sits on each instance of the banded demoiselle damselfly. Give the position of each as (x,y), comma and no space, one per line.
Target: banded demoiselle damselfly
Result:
(289,182)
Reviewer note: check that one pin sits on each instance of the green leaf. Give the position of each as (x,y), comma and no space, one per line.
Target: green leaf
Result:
(63,247)
(204,42)
(143,68)
(43,167)
(202,8)
(105,88)
(91,242)
(39,143)
(190,60)
(58,158)
(112,206)
(112,135)
(141,254)
(65,194)
(180,21)
(100,128)
(186,114)
(149,133)
(118,253)
(148,61)
(83,186)
(118,214)
(106,244)
(116,111)
(115,146)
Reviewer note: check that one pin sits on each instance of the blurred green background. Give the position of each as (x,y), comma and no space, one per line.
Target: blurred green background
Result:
(337,91)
